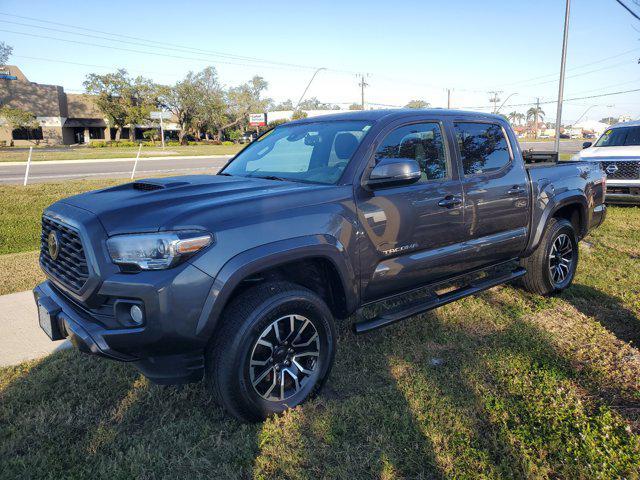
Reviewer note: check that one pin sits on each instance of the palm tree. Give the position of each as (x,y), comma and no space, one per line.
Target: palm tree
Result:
(521,118)
(535,113)
(513,117)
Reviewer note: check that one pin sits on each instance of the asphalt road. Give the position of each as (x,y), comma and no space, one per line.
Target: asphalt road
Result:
(119,168)
(58,171)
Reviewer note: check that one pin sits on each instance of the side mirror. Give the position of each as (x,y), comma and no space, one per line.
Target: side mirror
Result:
(587,144)
(394,172)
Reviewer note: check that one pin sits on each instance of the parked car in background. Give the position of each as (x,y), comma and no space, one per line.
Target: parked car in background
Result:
(618,153)
(239,277)
(589,135)
(248,137)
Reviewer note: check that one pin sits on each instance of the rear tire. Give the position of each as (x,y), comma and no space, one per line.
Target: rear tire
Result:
(274,349)
(553,264)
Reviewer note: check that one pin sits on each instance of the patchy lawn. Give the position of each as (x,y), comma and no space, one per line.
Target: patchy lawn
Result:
(20,154)
(22,210)
(502,385)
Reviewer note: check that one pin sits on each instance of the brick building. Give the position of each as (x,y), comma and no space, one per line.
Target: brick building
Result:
(64,118)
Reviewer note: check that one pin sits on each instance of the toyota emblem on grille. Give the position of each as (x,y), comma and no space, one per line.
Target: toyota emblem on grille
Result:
(611,169)
(53,244)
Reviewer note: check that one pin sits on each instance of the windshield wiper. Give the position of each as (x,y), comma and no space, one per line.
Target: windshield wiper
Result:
(225,174)
(270,177)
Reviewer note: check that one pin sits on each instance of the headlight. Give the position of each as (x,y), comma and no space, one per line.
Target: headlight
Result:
(156,251)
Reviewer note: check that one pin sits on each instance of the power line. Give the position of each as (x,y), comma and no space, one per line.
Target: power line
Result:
(628,9)
(577,67)
(131,50)
(554,101)
(150,43)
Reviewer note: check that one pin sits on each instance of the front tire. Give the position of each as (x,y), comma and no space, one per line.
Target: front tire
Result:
(274,349)
(552,267)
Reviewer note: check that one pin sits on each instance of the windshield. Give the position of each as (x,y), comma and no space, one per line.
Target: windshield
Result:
(316,152)
(619,137)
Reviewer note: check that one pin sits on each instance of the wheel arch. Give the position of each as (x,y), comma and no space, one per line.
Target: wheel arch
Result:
(569,205)
(315,251)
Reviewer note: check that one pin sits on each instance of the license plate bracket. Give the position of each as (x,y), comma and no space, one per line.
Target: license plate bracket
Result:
(48,317)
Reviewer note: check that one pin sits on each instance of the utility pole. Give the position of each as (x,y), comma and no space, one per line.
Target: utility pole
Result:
(495,99)
(448,98)
(562,67)
(362,85)
(535,118)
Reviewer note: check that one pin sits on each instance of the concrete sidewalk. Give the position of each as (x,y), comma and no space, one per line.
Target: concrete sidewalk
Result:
(21,337)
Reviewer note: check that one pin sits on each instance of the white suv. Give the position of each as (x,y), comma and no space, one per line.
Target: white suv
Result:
(618,151)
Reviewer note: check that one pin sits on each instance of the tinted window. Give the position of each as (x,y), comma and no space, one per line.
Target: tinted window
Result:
(308,152)
(620,137)
(483,147)
(421,142)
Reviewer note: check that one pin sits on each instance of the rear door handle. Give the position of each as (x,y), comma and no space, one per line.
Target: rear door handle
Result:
(450,201)
(516,190)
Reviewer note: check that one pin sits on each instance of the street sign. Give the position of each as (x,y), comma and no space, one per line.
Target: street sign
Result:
(160,115)
(257,119)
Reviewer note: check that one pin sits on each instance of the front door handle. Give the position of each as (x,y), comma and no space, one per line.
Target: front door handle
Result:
(450,201)
(516,190)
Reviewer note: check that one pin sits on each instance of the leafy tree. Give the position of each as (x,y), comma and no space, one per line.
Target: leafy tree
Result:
(314,104)
(298,114)
(355,106)
(151,135)
(240,102)
(275,123)
(417,104)
(535,114)
(121,99)
(286,105)
(15,118)
(183,101)
(211,105)
(513,117)
(5,53)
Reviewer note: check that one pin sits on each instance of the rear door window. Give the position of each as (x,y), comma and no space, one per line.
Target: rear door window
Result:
(483,147)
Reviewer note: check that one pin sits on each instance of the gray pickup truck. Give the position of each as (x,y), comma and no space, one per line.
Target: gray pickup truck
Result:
(240,277)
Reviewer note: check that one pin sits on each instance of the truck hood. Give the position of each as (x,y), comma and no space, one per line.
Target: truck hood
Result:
(197,201)
(631,152)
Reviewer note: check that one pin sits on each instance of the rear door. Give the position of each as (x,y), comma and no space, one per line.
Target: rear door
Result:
(496,191)
(412,234)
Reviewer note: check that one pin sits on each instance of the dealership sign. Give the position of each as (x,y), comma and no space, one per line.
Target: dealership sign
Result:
(257,119)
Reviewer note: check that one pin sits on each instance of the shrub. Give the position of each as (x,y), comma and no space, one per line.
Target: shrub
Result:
(227,142)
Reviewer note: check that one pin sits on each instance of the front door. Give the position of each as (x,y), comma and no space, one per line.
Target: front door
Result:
(412,234)
(496,192)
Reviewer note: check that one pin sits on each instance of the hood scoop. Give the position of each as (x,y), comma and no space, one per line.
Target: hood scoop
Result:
(148,186)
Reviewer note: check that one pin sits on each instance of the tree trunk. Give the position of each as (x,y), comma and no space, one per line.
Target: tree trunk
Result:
(118,133)
(206,135)
(181,135)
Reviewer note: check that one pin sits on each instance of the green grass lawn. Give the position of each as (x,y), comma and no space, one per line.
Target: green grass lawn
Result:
(502,385)
(81,153)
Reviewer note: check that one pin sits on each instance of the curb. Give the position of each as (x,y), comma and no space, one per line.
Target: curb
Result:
(111,160)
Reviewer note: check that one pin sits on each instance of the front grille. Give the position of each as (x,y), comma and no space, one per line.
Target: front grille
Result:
(627,170)
(70,266)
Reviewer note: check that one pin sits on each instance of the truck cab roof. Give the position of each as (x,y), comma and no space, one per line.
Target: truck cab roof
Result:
(392,114)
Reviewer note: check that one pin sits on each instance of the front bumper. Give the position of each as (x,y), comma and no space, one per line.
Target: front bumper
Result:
(166,348)
(623,192)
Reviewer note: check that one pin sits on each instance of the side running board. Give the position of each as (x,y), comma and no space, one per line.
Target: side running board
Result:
(415,307)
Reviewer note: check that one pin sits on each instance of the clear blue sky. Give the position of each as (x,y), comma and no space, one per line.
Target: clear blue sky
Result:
(410,49)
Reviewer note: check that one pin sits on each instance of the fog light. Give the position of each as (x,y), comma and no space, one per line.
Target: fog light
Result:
(136,314)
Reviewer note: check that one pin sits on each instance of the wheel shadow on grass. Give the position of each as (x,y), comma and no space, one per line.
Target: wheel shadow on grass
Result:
(74,415)
(608,310)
